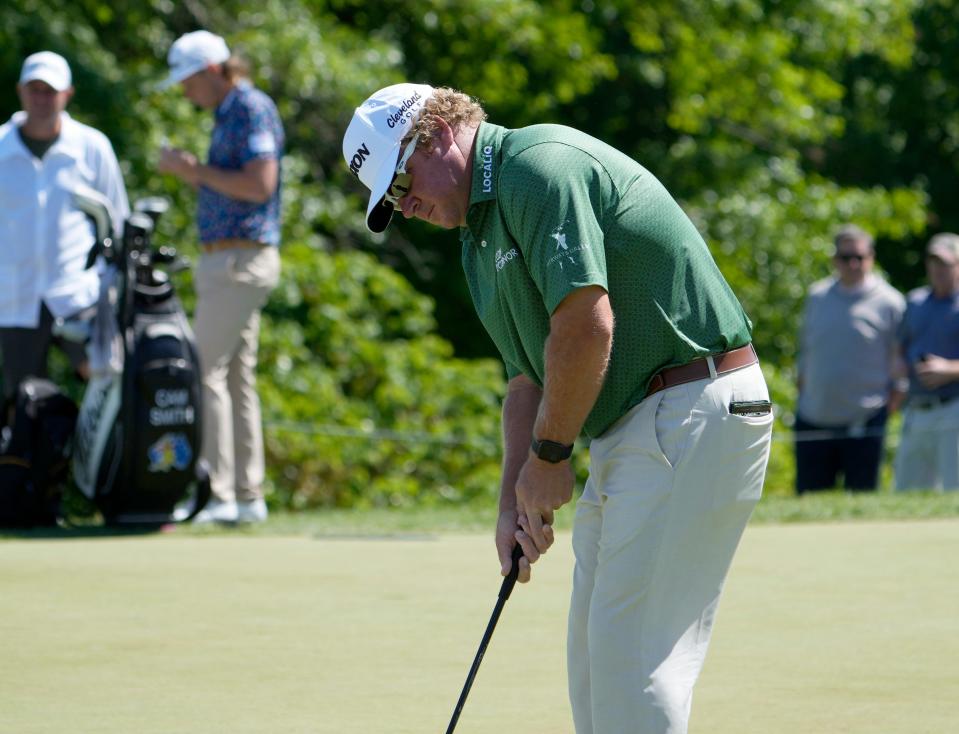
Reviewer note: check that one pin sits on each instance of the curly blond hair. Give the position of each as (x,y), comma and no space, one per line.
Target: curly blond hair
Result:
(455,108)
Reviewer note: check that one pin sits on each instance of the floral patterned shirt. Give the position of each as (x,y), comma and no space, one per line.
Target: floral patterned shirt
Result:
(247,128)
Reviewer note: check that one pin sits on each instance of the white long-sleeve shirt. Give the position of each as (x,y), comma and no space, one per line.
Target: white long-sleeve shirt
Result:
(44,238)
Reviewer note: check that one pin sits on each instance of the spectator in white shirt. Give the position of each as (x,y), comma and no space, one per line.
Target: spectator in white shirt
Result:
(44,156)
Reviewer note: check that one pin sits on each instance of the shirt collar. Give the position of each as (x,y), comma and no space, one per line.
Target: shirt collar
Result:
(70,141)
(487,155)
(230,98)
(869,282)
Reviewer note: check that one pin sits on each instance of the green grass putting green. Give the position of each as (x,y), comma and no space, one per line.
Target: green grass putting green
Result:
(825,628)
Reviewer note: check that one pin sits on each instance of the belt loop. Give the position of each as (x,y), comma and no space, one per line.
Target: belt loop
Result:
(712,367)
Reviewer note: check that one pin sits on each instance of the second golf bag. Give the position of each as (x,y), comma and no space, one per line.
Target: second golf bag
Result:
(137,444)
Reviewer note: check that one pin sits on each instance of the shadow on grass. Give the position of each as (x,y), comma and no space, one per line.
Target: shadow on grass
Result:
(70,532)
(430,522)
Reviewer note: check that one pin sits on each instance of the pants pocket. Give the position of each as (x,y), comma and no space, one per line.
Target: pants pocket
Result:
(672,425)
(740,462)
(657,427)
(257,268)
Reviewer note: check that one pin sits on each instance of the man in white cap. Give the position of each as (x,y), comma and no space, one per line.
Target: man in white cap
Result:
(238,210)
(615,323)
(44,156)
(928,455)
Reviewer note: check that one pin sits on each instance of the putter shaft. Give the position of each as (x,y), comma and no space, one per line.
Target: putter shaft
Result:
(505,590)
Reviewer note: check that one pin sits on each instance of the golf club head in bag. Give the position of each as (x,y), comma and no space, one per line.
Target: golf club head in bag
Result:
(138,437)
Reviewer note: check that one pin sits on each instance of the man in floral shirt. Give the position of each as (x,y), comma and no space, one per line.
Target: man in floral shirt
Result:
(239,224)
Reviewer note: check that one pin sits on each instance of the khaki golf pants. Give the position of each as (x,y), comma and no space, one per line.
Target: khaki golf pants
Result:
(231,286)
(671,487)
(928,454)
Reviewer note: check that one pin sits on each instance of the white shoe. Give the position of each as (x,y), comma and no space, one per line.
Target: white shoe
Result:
(182,509)
(217,511)
(254,511)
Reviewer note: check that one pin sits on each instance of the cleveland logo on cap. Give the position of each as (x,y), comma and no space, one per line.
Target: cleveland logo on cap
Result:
(403,111)
(371,144)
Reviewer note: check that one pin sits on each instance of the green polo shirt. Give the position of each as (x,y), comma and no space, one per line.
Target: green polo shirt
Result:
(553,209)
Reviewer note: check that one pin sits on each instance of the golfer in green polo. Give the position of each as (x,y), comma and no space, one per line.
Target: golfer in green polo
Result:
(614,323)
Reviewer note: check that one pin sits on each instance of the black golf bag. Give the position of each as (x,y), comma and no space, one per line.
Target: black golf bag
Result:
(35,454)
(137,443)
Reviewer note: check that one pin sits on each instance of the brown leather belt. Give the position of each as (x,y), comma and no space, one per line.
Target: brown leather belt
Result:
(230,244)
(699,370)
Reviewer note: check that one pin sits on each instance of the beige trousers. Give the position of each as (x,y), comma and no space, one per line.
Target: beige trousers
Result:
(231,288)
(928,454)
(671,487)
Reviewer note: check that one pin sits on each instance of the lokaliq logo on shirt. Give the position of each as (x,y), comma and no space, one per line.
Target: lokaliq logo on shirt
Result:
(488,169)
(563,253)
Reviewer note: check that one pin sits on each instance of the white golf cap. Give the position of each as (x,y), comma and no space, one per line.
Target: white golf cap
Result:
(371,145)
(193,52)
(47,67)
(945,246)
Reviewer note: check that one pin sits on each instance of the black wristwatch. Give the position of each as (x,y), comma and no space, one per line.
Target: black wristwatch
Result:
(551,451)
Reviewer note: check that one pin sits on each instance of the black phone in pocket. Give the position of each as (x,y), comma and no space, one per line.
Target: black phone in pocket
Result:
(750,407)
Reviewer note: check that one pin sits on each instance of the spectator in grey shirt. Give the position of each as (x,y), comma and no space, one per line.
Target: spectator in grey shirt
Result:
(850,377)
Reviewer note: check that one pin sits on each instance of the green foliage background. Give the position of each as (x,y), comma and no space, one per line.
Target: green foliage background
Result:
(771,121)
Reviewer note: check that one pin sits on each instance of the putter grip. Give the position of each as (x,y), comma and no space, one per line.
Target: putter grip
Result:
(510,581)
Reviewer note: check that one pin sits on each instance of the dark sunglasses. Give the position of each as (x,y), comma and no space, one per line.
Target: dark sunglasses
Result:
(400,185)
(851,258)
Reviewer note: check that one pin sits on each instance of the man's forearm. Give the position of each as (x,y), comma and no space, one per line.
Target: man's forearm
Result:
(519,413)
(577,357)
